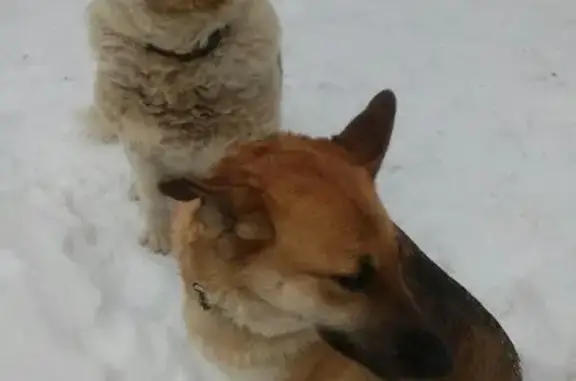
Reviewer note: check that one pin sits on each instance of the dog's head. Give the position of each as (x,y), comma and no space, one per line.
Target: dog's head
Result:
(297,223)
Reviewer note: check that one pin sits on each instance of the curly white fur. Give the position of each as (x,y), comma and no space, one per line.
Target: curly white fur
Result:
(176,117)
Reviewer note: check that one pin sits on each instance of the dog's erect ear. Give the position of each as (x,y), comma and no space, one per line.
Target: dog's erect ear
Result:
(243,205)
(368,135)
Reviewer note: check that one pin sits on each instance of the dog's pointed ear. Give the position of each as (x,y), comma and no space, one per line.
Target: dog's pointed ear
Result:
(368,135)
(242,204)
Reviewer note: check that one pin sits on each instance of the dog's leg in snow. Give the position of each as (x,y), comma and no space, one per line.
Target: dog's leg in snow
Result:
(154,205)
(133,192)
(102,118)
(97,126)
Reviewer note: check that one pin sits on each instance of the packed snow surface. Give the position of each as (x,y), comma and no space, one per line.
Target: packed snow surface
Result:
(481,173)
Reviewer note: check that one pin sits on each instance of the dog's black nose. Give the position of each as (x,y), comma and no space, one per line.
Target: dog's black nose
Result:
(422,354)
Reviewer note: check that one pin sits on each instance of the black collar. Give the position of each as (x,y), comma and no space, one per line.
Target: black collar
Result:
(213,42)
(201,295)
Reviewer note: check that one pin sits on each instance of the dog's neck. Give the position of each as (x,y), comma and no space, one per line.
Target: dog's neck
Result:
(235,348)
(232,328)
(212,43)
(236,308)
(210,250)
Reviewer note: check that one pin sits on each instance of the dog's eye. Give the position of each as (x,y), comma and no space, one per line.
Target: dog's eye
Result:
(359,281)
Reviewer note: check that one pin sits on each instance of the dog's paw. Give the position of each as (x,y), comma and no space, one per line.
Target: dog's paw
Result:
(156,240)
(133,194)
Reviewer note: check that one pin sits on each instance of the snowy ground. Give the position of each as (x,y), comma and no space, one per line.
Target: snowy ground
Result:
(482,173)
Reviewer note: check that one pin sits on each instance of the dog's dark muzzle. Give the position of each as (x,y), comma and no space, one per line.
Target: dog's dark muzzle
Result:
(406,353)
(420,354)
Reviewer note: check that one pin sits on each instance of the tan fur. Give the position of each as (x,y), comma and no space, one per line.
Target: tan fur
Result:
(177,117)
(273,295)
(256,342)
(258,335)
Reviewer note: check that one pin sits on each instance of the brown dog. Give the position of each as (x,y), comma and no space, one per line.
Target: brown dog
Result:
(294,271)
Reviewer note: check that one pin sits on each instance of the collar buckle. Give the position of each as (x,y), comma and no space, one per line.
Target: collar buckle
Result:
(202,298)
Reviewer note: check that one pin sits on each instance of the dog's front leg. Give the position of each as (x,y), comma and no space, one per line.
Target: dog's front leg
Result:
(133,192)
(102,118)
(153,204)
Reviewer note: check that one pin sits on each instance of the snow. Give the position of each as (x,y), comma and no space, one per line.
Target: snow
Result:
(481,173)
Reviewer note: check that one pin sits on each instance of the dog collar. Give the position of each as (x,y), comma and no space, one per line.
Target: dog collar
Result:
(213,42)
(202,297)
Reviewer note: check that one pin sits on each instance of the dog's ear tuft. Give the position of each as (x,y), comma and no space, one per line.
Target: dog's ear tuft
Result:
(242,204)
(368,135)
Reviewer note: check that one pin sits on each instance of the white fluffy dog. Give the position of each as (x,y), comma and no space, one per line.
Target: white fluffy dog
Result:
(177,81)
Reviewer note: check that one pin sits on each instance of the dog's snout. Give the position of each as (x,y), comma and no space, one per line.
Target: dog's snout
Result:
(422,354)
